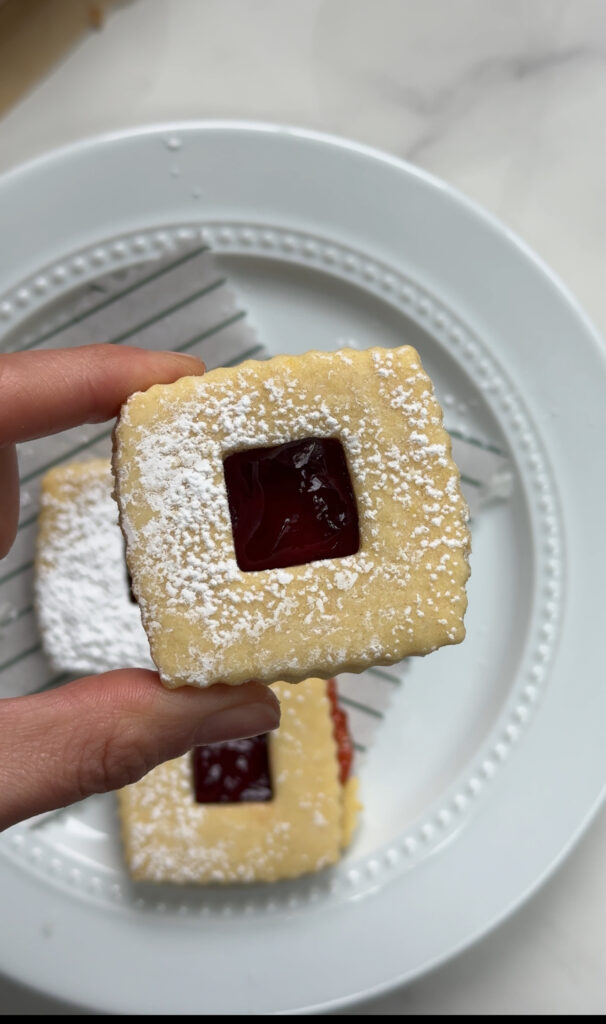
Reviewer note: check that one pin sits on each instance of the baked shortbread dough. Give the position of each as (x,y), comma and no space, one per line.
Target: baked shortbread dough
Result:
(87,621)
(169,837)
(402,592)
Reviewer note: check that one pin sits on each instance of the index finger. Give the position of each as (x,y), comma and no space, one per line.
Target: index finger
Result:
(45,392)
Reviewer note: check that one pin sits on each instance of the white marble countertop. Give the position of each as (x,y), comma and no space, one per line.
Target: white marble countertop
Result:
(502,99)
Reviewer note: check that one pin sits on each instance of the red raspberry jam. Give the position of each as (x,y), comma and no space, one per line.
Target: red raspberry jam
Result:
(235,771)
(345,748)
(291,504)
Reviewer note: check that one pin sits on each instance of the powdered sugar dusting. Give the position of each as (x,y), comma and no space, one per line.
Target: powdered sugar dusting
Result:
(87,621)
(324,617)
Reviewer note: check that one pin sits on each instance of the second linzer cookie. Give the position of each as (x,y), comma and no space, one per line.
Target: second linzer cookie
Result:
(294,518)
(256,810)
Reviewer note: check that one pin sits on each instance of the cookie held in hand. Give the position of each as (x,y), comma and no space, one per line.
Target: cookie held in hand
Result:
(293,518)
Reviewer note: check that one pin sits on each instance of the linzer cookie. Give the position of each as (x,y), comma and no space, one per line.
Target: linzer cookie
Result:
(293,518)
(88,621)
(276,806)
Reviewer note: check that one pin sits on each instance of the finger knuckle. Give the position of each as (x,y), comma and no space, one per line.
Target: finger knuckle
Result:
(112,762)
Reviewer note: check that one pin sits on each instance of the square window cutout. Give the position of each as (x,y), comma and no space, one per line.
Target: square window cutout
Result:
(213,616)
(291,504)
(233,772)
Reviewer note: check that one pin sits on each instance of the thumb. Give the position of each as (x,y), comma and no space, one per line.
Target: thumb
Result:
(104,732)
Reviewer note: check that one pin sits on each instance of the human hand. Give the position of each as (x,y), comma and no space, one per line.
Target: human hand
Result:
(106,731)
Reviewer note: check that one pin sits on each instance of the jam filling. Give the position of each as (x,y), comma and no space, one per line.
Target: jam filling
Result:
(291,504)
(345,748)
(238,771)
(235,771)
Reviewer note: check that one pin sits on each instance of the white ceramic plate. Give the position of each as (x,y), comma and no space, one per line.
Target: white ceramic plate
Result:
(490,761)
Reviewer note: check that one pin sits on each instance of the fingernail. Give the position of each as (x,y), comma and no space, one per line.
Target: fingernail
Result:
(237,723)
(191,360)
